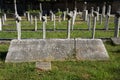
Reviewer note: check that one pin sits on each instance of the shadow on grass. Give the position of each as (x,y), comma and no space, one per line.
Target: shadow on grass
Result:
(3,55)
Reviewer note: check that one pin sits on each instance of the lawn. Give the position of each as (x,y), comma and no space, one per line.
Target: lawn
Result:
(66,70)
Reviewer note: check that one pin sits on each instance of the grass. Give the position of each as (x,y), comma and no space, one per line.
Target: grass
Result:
(66,70)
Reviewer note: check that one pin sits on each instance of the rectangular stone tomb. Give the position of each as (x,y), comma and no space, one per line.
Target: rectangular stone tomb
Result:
(90,49)
(32,50)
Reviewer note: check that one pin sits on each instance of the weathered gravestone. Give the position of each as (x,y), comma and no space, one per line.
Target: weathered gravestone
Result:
(69,15)
(44,18)
(0,24)
(32,50)
(116,39)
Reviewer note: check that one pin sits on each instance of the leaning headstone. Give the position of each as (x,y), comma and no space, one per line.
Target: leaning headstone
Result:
(45,66)
(35,23)
(69,15)
(104,9)
(94,24)
(59,16)
(18,25)
(44,26)
(117,24)
(0,24)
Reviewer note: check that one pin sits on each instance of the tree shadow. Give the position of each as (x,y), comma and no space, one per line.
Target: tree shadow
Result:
(3,55)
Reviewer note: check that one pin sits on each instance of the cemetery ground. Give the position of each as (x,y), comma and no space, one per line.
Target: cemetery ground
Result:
(61,70)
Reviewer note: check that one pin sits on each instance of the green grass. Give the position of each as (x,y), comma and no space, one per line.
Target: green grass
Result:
(66,70)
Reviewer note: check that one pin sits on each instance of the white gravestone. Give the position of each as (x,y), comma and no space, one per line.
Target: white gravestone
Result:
(18,25)
(35,23)
(40,16)
(0,24)
(98,10)
(94,24)
(54,19)
(28,16)
(104,9)
(117,24)
(73,18)
(31,19)
(107,22)
(44,26)
(69,15)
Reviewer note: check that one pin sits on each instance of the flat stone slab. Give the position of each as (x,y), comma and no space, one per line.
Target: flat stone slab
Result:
(116,41)
(28,50)
(43,66)
(32,50)
(91,49)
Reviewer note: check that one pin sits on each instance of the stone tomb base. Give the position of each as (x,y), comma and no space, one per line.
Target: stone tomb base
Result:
(33,50)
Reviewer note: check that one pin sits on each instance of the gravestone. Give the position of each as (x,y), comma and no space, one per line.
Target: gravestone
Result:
(89,22)
(90,49)
(85,14)
(85,6)
(98,10)
(35,23)
(109,10)
(69,16)
(3,20)
(117,24)
(54,19)
(33,50)
(64,15)
(44,18)
(18,25)
(73,18)
(51,15)
(31,19)
(101,19)
(0,24)
(5,17)
(28,16)
(46,66)
(40,16)
(41,8)
(94,24)
(107,22)
(104,9)
(92,10)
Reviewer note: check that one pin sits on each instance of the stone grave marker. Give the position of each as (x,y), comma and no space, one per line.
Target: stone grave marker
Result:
(104,9)
(89,22)
(40,65)
(54,19)
(51,15)
(69,15)
(98,10)
(64,15)
(73,18)
(31,19)
(40,16)
(94,24)
(35,23)
(117,24)
(44,26)
(18,25)
(28,16)
(92,10)
(101,19)
(107,22)
(0,24)
(5,17)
